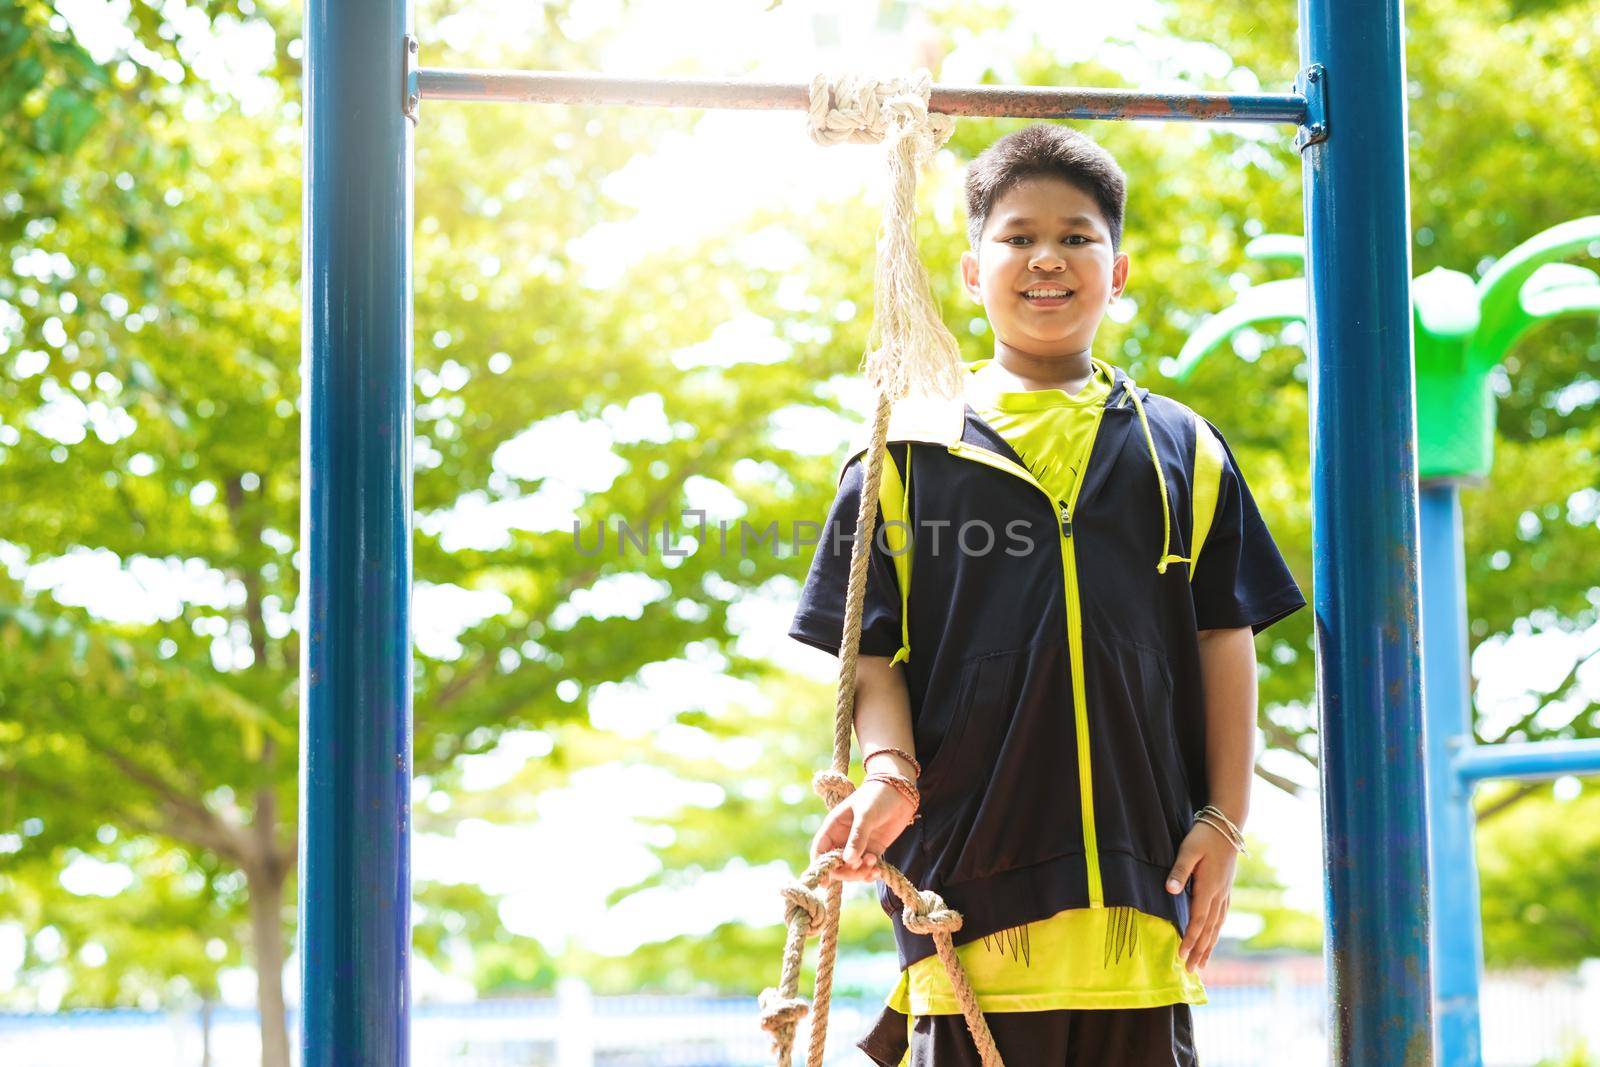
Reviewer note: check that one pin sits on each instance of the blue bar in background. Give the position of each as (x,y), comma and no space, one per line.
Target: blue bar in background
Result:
(1364,540)
(1535,759)
(1457,918)
(356,534)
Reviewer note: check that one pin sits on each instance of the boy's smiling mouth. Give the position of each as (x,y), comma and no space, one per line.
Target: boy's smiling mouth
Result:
(1047,296)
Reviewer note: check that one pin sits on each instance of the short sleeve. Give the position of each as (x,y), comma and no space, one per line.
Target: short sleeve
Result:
(819,619)
(1240,578)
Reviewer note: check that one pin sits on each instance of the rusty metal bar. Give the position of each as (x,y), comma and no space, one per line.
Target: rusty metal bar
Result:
(995,101)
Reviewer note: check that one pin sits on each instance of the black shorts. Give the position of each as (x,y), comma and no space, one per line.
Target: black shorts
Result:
(1099,1037)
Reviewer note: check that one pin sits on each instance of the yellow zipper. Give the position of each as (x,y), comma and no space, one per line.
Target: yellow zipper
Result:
(1080,704)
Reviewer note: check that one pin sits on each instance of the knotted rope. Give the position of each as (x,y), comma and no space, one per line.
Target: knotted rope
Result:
(914,352)
(808,914)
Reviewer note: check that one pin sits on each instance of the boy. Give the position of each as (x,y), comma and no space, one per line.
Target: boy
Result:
(1070,686)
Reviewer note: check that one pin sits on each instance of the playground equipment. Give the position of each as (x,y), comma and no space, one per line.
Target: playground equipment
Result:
(363,91)
(1463,330)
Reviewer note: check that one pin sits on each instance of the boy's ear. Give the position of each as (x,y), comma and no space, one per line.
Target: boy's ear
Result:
(1119,274)
(969,275)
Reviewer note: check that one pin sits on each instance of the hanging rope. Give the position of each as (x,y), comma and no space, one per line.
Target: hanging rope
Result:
(915,352)
(909,351)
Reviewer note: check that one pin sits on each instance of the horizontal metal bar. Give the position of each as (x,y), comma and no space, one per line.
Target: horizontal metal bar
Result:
(1032,102)
(1533,759)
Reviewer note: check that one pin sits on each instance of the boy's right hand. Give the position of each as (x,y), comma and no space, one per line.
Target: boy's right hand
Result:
(864,824)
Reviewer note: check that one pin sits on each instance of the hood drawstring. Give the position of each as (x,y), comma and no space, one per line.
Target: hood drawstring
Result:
(1161,480)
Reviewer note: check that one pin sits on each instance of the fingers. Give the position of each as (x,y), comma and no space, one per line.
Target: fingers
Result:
(860,828)
(1203,943)
(842,829)
(855,844)
(1191,933)
(834,830)
(1205,926)
(866,872)
(1219,914)
(1200,905)
(1188,857)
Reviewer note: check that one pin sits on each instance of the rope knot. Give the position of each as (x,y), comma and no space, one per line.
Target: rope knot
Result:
(802,897)
(858,109)
(847,109)
(832,787)
(932,916)
(910,348)
(780,1014)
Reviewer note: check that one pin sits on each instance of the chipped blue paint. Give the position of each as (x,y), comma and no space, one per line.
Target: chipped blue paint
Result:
(1364,539)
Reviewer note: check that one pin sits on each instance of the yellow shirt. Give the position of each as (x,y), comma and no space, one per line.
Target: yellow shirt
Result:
(1051,429)
(1079,957)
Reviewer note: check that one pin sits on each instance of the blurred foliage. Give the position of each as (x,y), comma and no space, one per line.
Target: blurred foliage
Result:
(1577,1056)
(161,944)
(1259,890)
(153,301)
(1538,868)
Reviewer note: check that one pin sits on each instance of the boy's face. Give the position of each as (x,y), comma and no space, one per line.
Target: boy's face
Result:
(1044,234)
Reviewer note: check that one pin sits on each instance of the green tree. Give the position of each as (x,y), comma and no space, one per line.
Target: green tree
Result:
(149,410)
(1197,196)
(1536,868)
(149,418)
(1489,168)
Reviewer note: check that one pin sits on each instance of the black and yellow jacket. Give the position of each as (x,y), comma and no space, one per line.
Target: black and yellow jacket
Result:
(1050,650)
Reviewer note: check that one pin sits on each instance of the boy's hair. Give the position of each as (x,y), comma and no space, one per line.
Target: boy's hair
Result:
(1043,150)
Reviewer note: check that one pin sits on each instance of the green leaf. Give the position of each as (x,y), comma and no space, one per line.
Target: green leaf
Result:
(67,119)
(18,80)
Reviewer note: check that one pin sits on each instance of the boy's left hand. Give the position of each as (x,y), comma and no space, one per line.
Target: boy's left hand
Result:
(1211,859)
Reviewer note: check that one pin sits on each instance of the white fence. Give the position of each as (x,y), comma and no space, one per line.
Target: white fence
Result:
(1529,1018)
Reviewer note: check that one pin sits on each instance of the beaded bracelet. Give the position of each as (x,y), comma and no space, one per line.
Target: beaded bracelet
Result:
(916,768)
(902,785)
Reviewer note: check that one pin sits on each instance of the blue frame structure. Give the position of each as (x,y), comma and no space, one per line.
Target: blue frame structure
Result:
(1349,108)
(355,733)
(1456,763)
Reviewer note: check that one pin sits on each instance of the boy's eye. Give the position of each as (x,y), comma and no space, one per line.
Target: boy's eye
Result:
(1019,237)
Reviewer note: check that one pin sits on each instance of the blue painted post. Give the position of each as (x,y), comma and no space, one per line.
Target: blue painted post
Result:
(1457,921)
(356,467)
(1364,539)
(1527,761)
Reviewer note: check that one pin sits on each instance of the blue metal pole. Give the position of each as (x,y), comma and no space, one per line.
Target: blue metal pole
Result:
(1457,920)
(356,530)
(1533,760)
(1364,539)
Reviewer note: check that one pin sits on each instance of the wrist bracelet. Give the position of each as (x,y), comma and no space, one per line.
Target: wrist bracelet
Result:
(1228,835)
(902,785)
(1214,817)
(1226,821)
(1235,835)
(1237,846)
(916,768)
